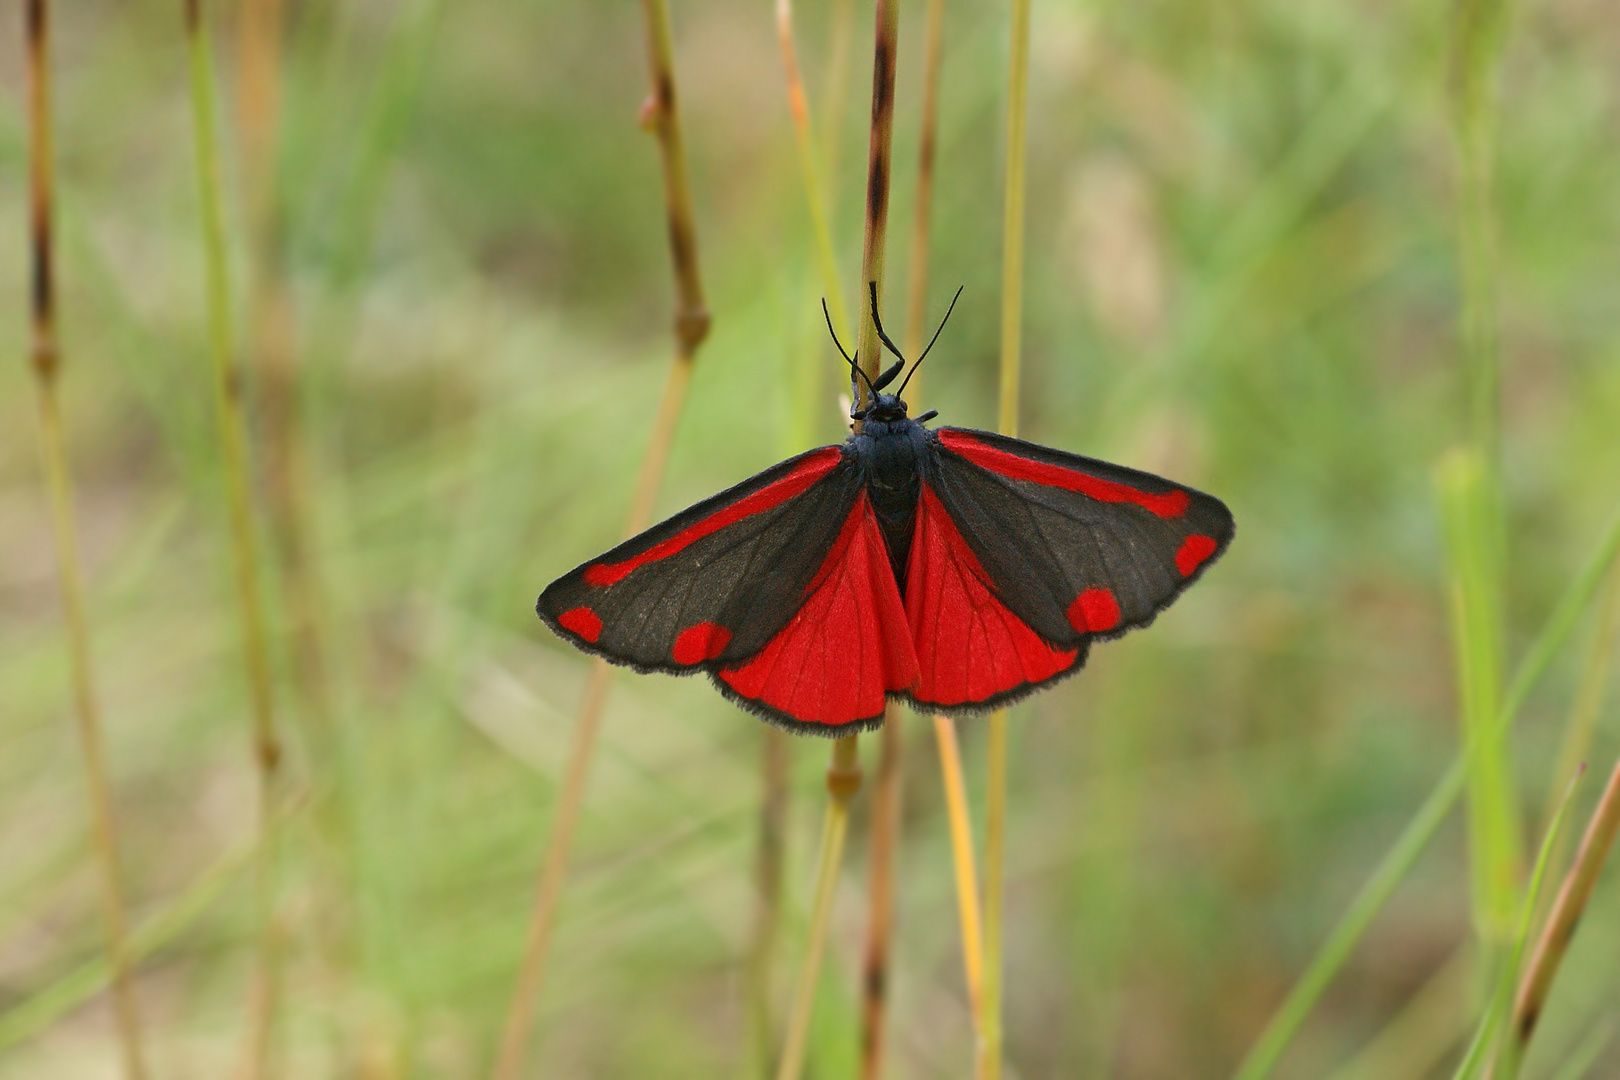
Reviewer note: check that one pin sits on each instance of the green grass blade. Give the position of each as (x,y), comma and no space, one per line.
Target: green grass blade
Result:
(1476,613)
(1481,1050)
(1347,932)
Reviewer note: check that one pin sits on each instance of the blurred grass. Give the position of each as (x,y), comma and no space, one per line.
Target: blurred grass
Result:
(1240,272)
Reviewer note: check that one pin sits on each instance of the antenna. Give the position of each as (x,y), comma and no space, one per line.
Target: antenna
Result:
(854,368)
(931,341)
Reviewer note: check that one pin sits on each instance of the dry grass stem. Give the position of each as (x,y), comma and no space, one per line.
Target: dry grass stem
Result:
(879,179)
(883,854)
(231,419)
(45,358)
(1012,311)
(843,781)
(274,358)
(1566,914)
(768,885)
(843,778)
(691,326)
(967,875)
(923,203)
(815,192)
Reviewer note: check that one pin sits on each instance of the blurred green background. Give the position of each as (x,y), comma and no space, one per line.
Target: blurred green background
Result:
(1241,273)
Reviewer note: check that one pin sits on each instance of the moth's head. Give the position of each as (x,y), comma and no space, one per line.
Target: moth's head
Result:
(885,408)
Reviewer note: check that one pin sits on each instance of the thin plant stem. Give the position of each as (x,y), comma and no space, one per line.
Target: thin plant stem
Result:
(836,90)
(273,352)
(844,777)
(988,1056)
(691,326)
(1342,939)
(843,781)
(45,357)
(553,875)
(922,206)
(1012,313)
(1352,925)
(1495,844)
(768,874)
(1565,917)
(1588,704)
(967,876)
(1487,1049)
(883,854)
(1479,31)
(809,168)
(887,798)
(232,424)
(879,177)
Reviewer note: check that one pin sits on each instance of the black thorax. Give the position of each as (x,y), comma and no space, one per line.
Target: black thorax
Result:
(891,454)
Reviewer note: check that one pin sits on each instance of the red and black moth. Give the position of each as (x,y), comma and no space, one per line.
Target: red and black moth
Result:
(953,569)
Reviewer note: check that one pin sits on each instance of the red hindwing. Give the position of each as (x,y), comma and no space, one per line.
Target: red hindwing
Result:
(846,648)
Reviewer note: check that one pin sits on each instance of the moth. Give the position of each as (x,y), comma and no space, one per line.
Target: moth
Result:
(952,569)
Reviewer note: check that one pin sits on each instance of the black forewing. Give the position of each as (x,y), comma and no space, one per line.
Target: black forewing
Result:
(739,569)
(1044,543)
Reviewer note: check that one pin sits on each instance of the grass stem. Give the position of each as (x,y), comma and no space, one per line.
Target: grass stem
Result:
(1565,917)
(1012,317)
(843,781)
(1342,939)
(883,854)
(691,326)
(879,179)
(45,357)
(967,876)
(886,802)
(809,169)
(768,883)
(231,419)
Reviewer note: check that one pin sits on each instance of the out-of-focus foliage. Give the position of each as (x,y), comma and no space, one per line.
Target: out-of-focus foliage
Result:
(1241,273)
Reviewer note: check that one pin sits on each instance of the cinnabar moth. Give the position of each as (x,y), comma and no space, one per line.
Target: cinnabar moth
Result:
(954,569)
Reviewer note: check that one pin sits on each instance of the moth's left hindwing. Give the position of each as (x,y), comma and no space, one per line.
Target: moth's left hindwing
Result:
(714,584)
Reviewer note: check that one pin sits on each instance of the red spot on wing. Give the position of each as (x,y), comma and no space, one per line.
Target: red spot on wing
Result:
(1166,504)
(1094,611)
(969,645)
(582,621)
(1194,550)
(695,644)
(846,646)
(776,493)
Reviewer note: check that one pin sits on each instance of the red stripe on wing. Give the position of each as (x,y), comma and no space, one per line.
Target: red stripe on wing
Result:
(969,646)
(847,645)
(797,482)
(1166,504)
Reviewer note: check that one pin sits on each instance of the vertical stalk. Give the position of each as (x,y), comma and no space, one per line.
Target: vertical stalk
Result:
(767,916)
(1352,926)
(1012,313)
(843,20)
(882,853)
(843,781)
(691,326)
(809,167)
(1564,918)
(273,356)
(887,798)
(923,205)
(967,877)
(45,357)
(843,777)
(232,424)
(1479,32)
